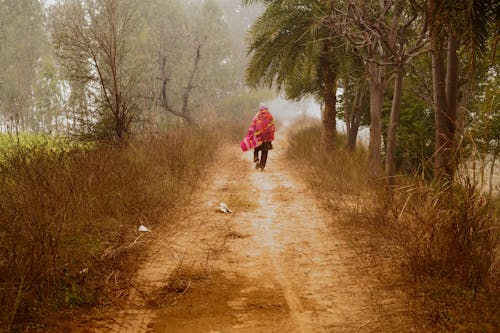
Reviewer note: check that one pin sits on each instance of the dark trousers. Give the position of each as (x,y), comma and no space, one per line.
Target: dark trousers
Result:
(263,156)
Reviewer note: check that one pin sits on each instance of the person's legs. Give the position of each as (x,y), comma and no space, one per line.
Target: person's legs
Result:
(256,153)
(263,159)
(256,156)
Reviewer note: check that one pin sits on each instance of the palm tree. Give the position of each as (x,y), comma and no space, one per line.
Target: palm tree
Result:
(454,25)
(294,51)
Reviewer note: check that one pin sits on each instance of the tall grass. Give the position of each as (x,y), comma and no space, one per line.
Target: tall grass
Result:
(448,233)
(340,174)
(451,231)
(68,217)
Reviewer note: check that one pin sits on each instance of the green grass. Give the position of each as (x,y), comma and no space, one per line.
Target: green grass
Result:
(39,143)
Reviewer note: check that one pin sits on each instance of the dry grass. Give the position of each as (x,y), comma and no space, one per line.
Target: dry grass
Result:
(68,219)
(448,227)
(341,174)
(237,193)
(445,237)
(240,197)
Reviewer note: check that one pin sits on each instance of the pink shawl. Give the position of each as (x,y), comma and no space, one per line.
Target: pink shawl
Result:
(261,130)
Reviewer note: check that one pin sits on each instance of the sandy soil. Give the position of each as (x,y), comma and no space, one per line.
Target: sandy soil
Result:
(278,263)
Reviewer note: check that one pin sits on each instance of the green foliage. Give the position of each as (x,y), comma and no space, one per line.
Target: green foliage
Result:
(175,33)
(39,143)
(49,99)
(346,98)
(486,125)
(286,47)
(238,19)
(39,94)
(415,136)
(216,77)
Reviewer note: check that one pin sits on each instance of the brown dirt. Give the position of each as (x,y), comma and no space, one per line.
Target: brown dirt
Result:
(278,263)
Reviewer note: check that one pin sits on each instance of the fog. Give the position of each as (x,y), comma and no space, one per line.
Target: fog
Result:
(287,113)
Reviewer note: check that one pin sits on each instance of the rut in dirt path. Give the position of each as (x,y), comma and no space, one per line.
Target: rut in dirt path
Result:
(280,265)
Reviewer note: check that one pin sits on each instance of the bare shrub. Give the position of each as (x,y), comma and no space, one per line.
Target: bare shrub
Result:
(93,43)
(69,218)
(444,235)
(447,231)
(451,232)
(341,173)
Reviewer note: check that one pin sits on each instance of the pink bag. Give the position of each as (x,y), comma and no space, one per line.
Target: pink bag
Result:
(248,143)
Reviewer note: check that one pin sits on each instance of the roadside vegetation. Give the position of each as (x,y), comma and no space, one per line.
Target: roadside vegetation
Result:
(112,110)
(70,210)
(111,113)
(423,78)
(69,233)
(445,239)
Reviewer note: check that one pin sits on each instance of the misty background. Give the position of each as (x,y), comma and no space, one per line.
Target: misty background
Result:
(47,89)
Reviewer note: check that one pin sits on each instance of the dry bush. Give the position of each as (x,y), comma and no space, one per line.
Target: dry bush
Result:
(451,232)
(68,218)
(447,230)
(342,173)
(448,234)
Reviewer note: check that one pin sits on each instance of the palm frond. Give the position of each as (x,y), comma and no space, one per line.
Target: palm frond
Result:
(285,46)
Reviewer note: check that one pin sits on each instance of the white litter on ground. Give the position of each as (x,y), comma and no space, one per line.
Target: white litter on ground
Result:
(143,228)
(223,208)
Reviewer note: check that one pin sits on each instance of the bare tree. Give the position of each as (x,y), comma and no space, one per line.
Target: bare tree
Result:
(190,51)
(185,110)
(92,42)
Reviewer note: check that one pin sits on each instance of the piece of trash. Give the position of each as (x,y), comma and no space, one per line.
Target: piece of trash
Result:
(210,203)
(143,228)
(84,271)
(223,208)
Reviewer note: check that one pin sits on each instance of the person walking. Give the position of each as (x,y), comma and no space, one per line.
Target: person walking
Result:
(261,132)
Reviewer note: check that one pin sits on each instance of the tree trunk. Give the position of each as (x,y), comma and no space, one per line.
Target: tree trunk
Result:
(390,158)
(354,118)
(329,122)
(348,109)
(492,172)
(445,92)
(452,103)
(378,84)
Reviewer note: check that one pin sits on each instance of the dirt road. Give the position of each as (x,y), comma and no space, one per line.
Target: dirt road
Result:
(277,263)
